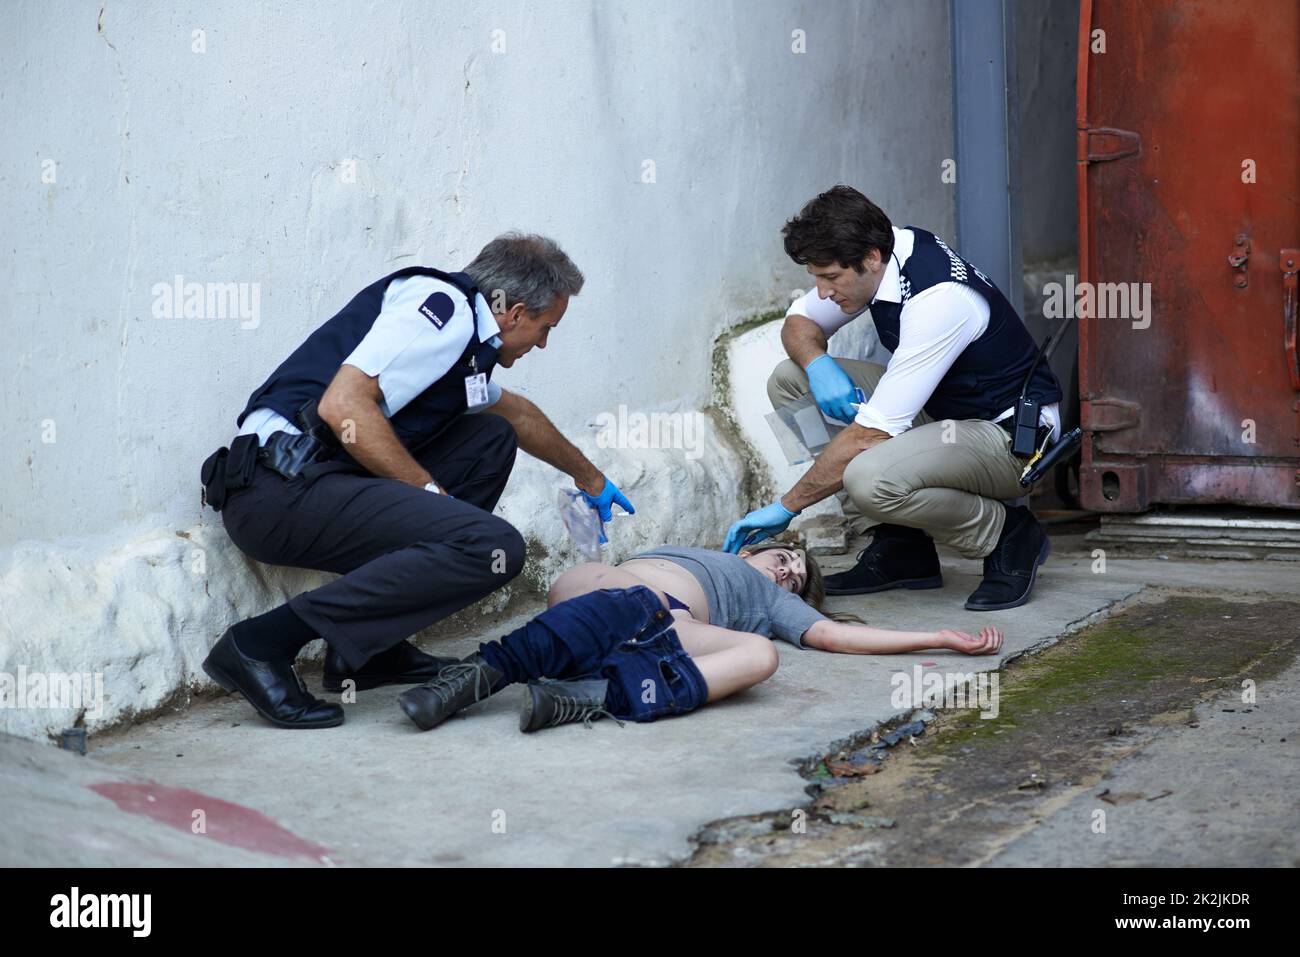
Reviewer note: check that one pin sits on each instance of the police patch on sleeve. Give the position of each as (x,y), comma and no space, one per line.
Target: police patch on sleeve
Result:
(438,308)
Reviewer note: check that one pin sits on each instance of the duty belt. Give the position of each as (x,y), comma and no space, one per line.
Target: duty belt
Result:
(1009,426)
(228,470)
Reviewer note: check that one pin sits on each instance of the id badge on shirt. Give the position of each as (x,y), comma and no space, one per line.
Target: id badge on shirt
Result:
(476,390)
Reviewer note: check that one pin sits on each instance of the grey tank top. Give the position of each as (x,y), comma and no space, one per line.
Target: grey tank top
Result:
(741,597)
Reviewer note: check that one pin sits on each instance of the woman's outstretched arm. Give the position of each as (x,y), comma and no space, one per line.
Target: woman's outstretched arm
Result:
(852,639)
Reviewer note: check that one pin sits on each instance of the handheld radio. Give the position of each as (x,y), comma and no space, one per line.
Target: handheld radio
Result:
(1024,440)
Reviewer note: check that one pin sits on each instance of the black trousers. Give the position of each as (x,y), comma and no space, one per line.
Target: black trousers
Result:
(408,557)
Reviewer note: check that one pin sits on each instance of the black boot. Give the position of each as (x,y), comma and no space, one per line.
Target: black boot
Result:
(1010,569)
(898,557)
(271,687)
(549,703)
(457,686)
(403,664)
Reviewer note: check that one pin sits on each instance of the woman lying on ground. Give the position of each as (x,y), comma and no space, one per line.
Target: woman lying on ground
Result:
(662,634)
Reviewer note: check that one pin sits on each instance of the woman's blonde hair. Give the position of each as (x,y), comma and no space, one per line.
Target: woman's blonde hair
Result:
(814,589)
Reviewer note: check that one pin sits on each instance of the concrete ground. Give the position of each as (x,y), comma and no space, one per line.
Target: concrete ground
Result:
(1220,790)
(478,792)
(1165,735)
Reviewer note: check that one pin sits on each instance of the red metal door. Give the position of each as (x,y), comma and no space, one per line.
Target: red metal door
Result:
(1189,180)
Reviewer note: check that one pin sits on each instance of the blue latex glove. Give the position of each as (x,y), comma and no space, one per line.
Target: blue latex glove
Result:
(604,504)
(757,525)
(832,388)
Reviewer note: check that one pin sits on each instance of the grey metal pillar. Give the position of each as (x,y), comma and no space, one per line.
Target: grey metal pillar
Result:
(986,130)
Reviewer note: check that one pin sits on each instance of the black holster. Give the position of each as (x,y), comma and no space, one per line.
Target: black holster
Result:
(312,424)
(287,454)
(227,470)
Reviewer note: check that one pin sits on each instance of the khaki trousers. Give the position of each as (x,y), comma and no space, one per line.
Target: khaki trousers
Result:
(948,478)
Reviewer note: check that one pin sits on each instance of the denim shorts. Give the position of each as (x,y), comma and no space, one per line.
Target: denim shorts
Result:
(650,675)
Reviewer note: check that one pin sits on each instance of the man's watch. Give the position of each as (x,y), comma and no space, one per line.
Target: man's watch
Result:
(433,487)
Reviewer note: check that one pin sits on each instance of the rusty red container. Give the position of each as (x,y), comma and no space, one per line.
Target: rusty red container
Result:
(1188,122)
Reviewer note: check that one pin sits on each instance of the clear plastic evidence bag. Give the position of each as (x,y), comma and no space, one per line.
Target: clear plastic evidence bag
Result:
(803,430)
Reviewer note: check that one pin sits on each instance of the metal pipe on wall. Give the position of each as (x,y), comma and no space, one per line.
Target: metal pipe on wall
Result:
(986,130)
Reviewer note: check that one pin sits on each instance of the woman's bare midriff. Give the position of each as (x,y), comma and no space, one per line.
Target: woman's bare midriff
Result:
(669,577)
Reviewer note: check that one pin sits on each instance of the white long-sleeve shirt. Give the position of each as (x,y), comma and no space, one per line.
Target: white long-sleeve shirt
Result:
(934,328)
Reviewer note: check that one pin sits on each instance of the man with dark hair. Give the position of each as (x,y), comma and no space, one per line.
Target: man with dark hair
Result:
(929,455)
(370,452)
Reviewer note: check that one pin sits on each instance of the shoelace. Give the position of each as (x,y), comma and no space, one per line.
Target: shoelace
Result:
(573,709)
(446,685)
(872,565)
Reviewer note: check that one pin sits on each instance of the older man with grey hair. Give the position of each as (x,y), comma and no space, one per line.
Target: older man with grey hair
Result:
(378,450)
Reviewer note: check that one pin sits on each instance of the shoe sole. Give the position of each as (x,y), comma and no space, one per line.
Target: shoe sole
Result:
(1033,574)
(228,685)
(914,583)
(526,713)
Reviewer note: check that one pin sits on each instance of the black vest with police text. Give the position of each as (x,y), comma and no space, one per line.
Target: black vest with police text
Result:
(310,368)
(987,377)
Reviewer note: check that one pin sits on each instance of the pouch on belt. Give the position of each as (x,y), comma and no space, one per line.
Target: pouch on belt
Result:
(228,469)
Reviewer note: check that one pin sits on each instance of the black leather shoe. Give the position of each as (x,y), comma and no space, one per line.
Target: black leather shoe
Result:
(550,703)
(457,686)
(898,557)
(273,688)
(403,664)
(1012,566)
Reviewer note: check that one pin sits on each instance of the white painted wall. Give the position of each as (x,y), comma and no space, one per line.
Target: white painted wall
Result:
(224,166)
